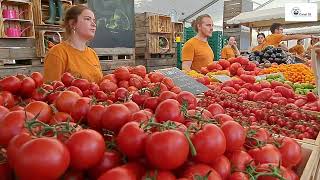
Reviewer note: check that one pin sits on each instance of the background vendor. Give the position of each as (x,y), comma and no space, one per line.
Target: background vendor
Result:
(73,55)
(230,50)
(298,49)
(196,52)
(260,38)
(277,36)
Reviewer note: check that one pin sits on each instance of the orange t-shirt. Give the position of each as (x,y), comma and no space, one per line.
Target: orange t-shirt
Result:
(227,53)
(271,40)
(298,49)
(199,52)
(64,58)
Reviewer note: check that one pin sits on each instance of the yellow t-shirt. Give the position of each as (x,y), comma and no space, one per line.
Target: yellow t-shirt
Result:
(227,52)
(64,58)
(199,52)
(271,40)
(297,49)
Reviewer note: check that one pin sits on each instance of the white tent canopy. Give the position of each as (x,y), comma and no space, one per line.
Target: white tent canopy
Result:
(263,17)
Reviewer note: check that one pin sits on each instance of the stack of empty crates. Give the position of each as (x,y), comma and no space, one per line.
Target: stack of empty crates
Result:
(154,39)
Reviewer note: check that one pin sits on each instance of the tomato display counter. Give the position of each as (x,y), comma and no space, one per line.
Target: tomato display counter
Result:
(151,127)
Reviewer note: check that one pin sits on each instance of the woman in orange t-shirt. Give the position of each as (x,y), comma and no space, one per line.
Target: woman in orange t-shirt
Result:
(230,50)
(73,55)
(196,52)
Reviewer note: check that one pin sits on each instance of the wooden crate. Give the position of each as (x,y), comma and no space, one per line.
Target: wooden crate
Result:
(160,24)
(41,10)
(24,21)
(177,29)
(157,63)
(22,69)
(150,44)
(18,55)
(46,37)
(308,167)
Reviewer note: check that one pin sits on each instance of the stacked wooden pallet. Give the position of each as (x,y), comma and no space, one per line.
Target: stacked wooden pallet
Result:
(111,58)
(233,8)
(154,36)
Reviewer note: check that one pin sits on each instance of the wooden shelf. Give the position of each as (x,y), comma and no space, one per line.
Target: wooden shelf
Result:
(20,20)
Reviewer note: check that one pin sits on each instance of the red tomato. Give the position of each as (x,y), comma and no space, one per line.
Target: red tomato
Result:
(110,159)
(139,98)
(12,125)
(66,100)
(131,140)
(167,95)
(268,168)
(51,97)
(80,109)
(94,87)
(201,170)
(121,94)
(187,97)
(290,152)
(159,175)
(132,89)
(141,116)
(215,109)
(240,160)
(14,145)
(11,84)
(208,150)
(176,89)
(86,149)
(234,134)
(27,87)
(203,113)
(136,82)
(39,94)
(67,79)
(94,116)
(101,96)
(169,110)
(139,70)
(5,171)
(61,117)
(123,84)
(151,103)
(111,77)
(132,106)
(8,99)
(42,158)
(82,84)
(122,73)
(38,78)
(173,147)
(238,176)
(108,86)
(115,116)
(131,171)
(267,154)
(40,109)
(156,77)
(292,174)
(254,134)
(168,82)
(3,112)
(222,118)
(223,167)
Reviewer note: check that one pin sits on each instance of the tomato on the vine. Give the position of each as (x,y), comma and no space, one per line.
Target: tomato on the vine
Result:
(40,109)
(115,116)
(86,149)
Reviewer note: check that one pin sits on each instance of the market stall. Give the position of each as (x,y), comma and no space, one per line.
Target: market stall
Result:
(146,119)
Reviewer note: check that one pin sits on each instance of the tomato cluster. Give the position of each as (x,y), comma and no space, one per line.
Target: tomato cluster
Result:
(132,126)
(287,120)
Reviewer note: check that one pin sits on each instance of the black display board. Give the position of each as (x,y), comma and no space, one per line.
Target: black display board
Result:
(185,82)
(115,23)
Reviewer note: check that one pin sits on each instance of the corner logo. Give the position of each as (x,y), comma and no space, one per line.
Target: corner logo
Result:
(297,12)
(304,12)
